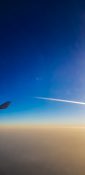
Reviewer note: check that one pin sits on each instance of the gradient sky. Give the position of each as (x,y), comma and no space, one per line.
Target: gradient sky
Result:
(42,53)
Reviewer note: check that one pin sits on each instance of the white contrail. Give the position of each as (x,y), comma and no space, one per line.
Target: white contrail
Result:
(60,100)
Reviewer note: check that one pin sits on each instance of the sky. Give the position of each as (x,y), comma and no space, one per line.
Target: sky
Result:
(42,53)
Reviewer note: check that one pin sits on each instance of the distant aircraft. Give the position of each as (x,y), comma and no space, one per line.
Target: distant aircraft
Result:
(5,105)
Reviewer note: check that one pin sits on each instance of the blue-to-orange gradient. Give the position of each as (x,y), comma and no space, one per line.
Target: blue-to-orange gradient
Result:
(42,53)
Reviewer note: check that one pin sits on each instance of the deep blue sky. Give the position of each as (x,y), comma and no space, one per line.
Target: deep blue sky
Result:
(42,53)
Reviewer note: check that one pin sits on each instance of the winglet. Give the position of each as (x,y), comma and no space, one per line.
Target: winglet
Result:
(5,105)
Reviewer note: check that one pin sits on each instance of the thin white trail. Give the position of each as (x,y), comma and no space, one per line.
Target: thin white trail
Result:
(60,100)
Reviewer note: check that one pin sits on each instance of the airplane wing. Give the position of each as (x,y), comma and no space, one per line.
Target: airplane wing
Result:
(5,105)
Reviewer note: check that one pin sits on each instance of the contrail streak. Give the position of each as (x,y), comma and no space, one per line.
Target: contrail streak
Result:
(61,100)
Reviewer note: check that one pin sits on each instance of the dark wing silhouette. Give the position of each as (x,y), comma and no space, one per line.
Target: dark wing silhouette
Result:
(5,105)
